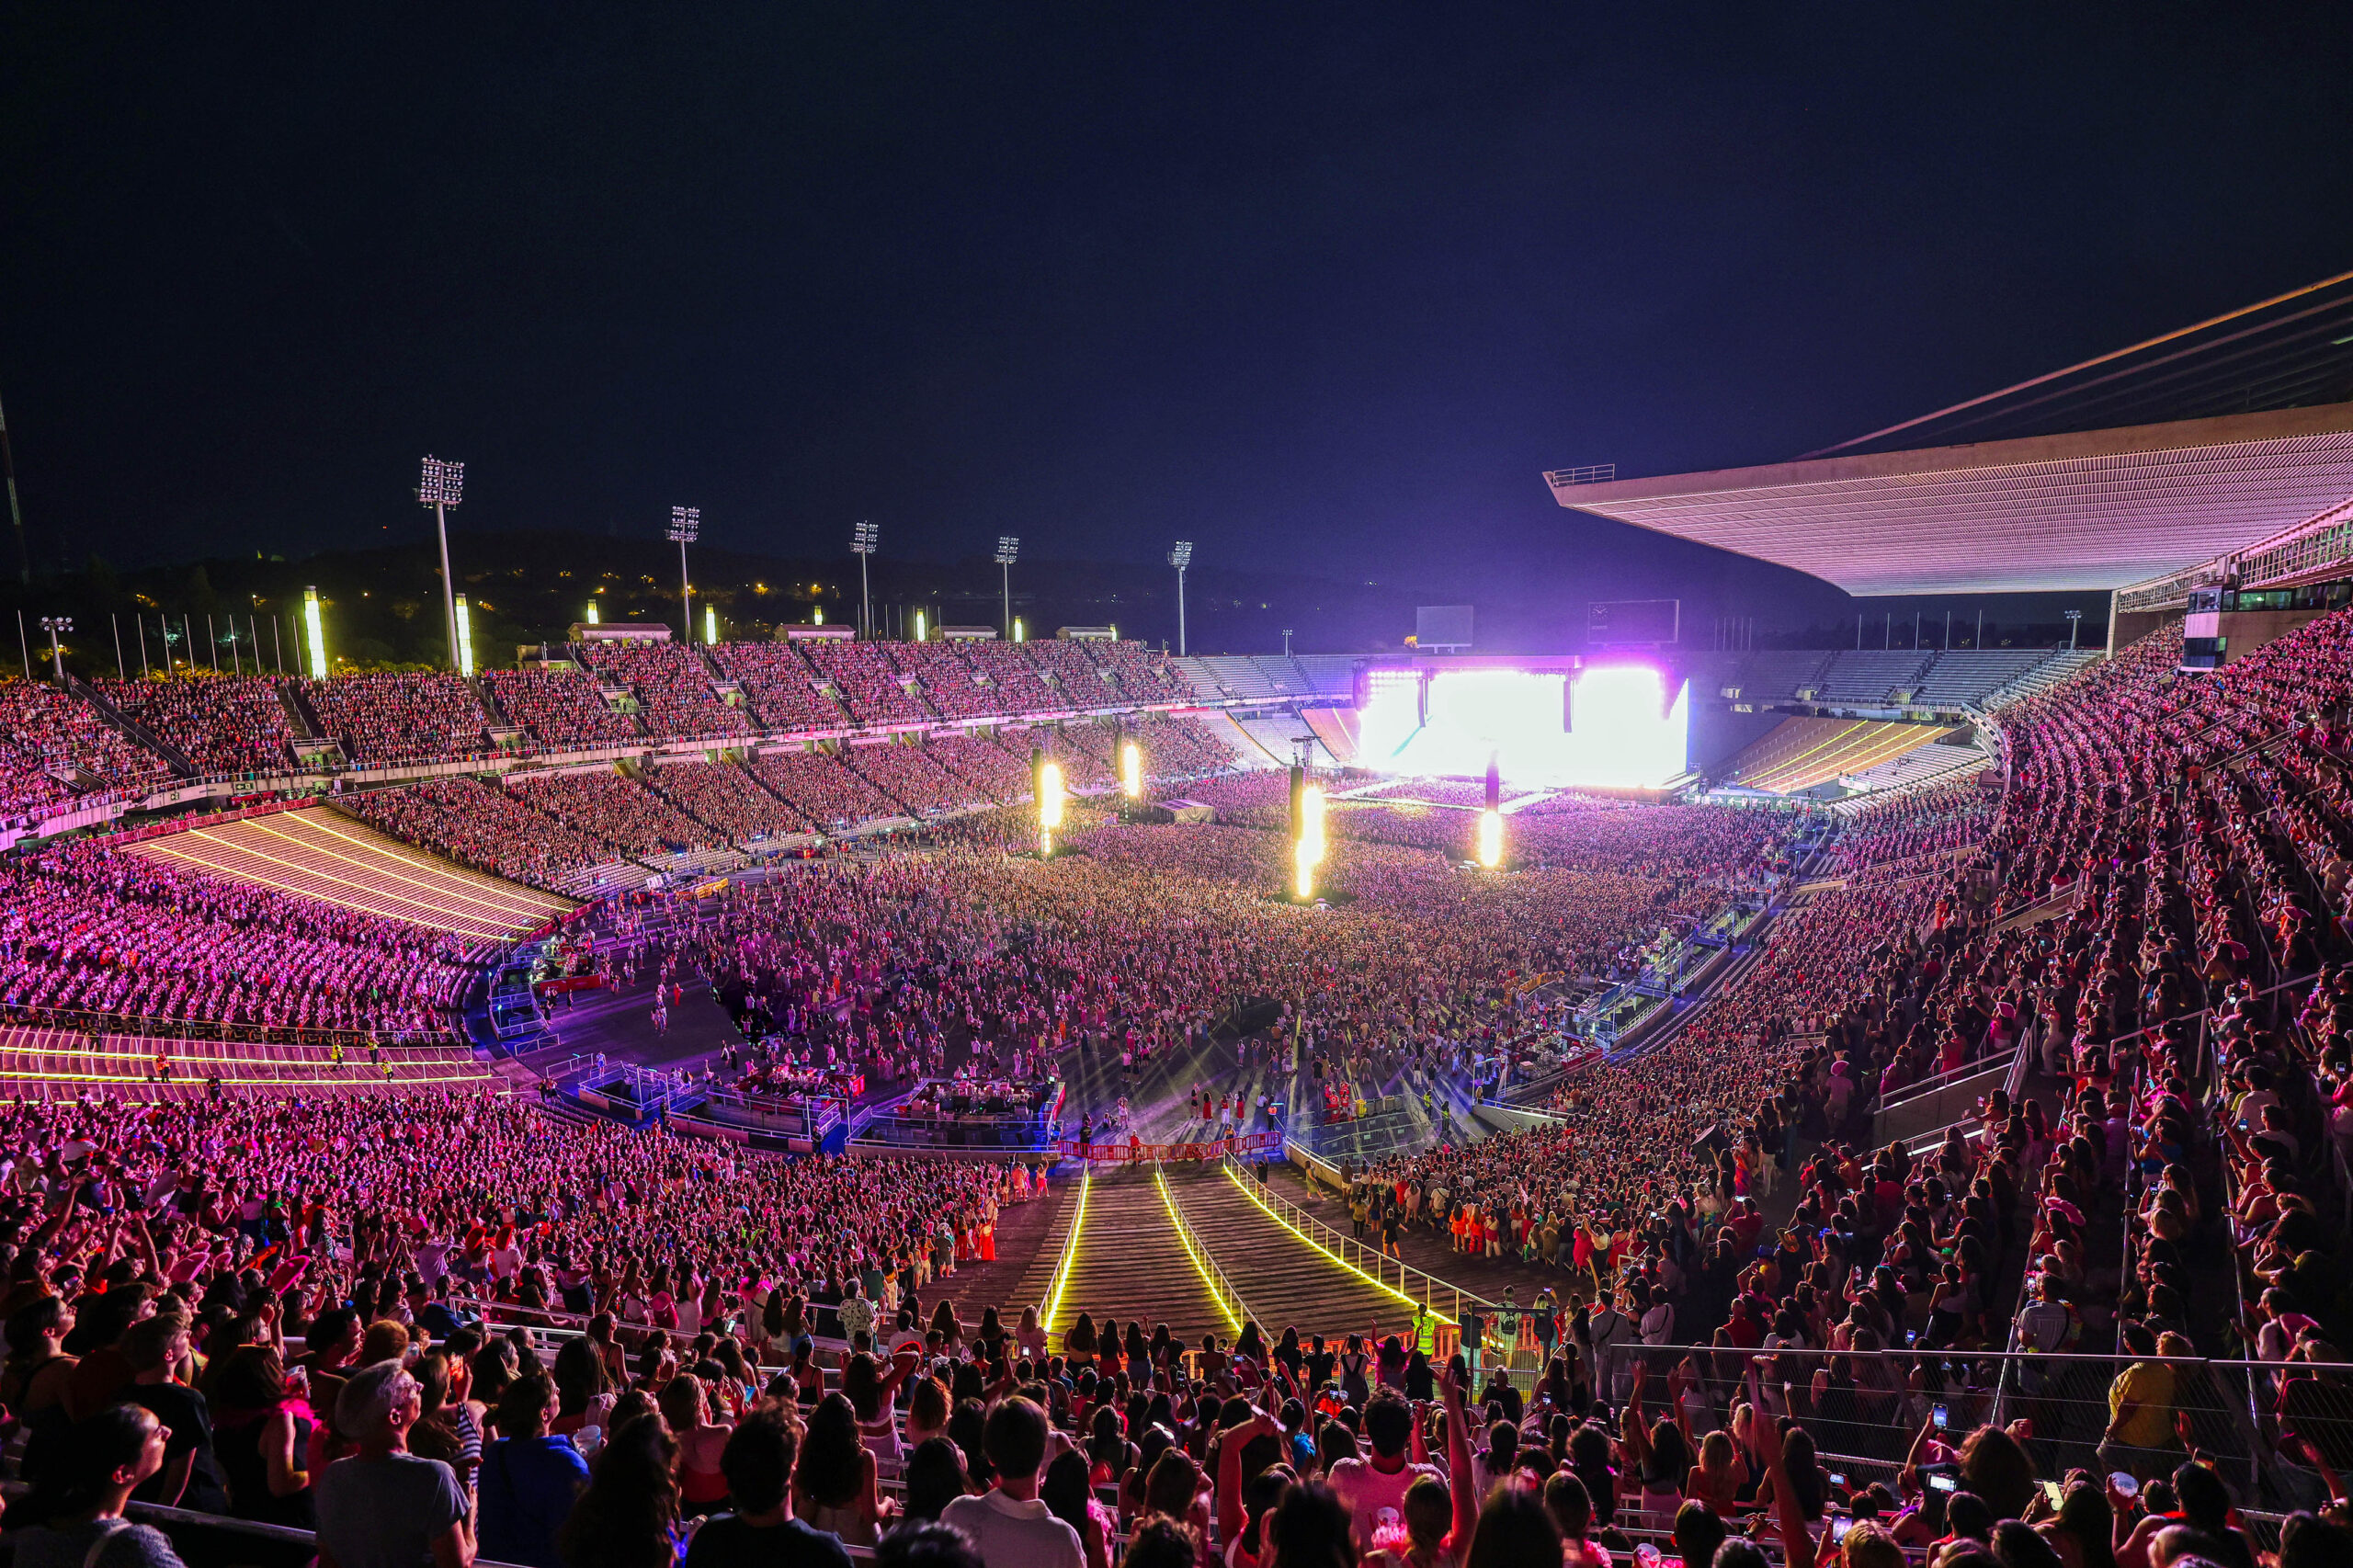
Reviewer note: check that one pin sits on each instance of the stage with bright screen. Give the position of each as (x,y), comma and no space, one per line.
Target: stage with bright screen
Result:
(1625,731)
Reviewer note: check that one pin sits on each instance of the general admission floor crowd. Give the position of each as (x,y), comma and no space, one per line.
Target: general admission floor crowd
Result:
(2149,919)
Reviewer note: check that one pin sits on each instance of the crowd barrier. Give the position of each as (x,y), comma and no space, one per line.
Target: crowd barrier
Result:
(1244,1144)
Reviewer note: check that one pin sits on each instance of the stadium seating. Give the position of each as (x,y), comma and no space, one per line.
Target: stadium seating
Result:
(823,788)
(676,694)
(1799,753)
(780,687)
(871,687)
(911,776)
(983,764)
(44,733)
(386,719)
(724,798)
(607,805)
(950,684)
(484,826)
(219,723)
(1080,679)
(559,710)
(1012,675)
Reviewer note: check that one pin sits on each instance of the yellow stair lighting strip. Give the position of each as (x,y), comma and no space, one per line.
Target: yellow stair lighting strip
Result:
(1337,1260)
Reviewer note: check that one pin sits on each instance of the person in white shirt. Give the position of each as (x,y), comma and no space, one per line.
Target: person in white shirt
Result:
(1010,1527)
(1374,1489)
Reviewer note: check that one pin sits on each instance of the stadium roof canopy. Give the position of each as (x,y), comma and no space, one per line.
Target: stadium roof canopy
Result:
(2245,427)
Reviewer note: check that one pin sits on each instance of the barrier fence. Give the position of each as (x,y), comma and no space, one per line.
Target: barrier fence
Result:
(1241,1145)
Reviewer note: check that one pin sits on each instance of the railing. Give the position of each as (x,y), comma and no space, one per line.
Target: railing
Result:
(1221,1288)
(1372,1263)
(141,1025)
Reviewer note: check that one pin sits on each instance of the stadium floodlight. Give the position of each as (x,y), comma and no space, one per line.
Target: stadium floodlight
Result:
(315,634)
(1131,770)
(817,615)
(2074,617)
(1007,546)
(57,626)
(1020,633)
(442,485)
(862,540)
(1180,558)
(1491,839)
(685,527)
(465,638)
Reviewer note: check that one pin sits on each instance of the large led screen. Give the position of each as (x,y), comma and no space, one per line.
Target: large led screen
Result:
(1623,729)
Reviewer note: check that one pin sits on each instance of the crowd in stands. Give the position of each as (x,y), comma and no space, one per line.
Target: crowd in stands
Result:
(87,927)
(911,776)
(1078,676)
(780,686)
(606,804)
(861,672)
(673,688)
(948,682)
(385,720)
(1140,675)
(561,711)
(980,761)
(825,789)
(43,730)
(1904,832)
(481,825)
(725,798)
(220,723)
(1013,676)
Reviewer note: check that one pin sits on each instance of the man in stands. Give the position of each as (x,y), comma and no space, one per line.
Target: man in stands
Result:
(1009,1526)
(762,1532)
(1374,1489)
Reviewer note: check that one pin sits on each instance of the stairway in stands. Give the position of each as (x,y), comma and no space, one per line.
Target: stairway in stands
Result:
(1130,1264)
(1281,1278)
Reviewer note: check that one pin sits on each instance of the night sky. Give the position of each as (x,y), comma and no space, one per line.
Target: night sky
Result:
(1321,289)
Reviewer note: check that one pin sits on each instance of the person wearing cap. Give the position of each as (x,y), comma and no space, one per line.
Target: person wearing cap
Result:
(384,1507)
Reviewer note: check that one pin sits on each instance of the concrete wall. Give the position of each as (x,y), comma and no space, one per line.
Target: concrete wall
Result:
(2128,627)
(2247,630)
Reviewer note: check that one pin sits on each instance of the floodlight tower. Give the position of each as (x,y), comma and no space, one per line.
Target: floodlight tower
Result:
(2073,616)
(1180,558)
(1007,546)
(441,486)
(56,626)
(861,543)
(685,524)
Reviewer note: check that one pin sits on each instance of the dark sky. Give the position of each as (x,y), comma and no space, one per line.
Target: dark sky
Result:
(1331,283)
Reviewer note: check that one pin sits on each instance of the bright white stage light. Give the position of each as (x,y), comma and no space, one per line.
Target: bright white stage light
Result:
(1304,870)
(1050,795)
(1628,734)
(465,638)
(1311,822)
(317,637)
(592,619)
(1491,839)
(1131,770)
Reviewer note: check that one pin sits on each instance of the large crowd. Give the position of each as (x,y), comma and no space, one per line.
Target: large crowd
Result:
(677,695)
(484,826)
(2145,925)
(220,723)
(558,710)
(383,719)
(89,929)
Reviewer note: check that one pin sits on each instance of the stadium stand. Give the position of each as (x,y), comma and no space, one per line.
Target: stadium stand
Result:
(1140,675)
(1799,753)
(140,1067)
(676,696)
(323,856)
(1013,675)
(780,687)
(871,687)
(607,804)
(1080,680)
(822,788)
(1950,754)
(983,764)
(481,825)
(910,776)
(725,798)
(1871,677)
(559,710)
(44,732)
(951,685)
(386,719)
(219,723)
(1779,677)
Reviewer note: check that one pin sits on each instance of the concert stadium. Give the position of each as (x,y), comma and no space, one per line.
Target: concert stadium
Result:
(1007,1095)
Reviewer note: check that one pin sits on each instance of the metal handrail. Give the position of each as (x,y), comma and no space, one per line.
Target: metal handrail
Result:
(1229,1299)
(1340,1246)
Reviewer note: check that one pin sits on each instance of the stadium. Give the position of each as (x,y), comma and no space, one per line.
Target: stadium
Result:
(1859,1037)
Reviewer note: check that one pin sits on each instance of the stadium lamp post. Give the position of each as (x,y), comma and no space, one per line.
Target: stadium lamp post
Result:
(1007,546)
(861,544)
(56,625)
(441,487)
(1180,558)
(685,524)
(2074,617)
